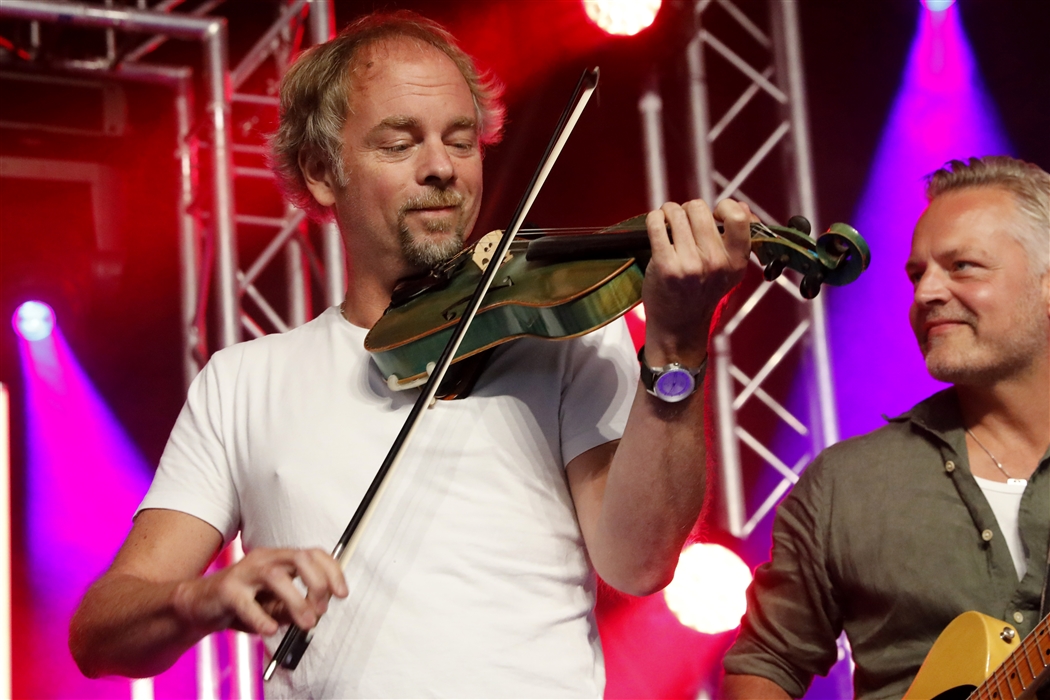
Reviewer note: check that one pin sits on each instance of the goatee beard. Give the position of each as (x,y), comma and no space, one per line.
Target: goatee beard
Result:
(423,251)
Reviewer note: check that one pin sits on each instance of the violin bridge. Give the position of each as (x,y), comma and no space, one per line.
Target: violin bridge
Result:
(485,248)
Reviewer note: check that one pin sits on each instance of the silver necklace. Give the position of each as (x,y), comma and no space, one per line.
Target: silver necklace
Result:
(996,462)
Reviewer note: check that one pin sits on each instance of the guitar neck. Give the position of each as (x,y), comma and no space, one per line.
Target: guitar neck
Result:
(1018,676)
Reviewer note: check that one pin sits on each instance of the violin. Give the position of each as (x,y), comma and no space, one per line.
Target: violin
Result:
(562,286)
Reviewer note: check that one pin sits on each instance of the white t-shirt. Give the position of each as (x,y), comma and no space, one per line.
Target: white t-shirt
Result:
(1005,500)
(471,580)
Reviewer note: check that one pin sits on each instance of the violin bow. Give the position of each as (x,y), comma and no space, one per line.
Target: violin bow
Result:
(295,641)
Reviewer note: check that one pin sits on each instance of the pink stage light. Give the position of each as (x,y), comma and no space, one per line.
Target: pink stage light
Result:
(33,320)
(938,5)
(622,17)
(707,593)
(84,479)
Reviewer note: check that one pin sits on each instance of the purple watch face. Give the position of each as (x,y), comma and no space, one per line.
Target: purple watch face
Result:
(675,383)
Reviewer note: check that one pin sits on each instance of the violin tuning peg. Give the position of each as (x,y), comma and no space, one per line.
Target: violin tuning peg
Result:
(774,269)
(809,287)
(800,223)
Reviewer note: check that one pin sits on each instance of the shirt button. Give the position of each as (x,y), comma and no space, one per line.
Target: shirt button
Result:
(949,466)
(1018,617)
(986,535)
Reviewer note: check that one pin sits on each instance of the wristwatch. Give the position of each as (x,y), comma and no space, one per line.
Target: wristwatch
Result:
(670,383)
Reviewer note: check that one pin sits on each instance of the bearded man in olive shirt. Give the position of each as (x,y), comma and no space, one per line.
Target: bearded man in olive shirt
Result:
(890,535)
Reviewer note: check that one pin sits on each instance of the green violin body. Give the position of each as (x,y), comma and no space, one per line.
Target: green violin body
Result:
(540,299)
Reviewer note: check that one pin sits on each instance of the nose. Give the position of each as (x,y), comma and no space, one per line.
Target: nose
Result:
(931,287)
(436,167)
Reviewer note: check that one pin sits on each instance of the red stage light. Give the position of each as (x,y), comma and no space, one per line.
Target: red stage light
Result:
(622,17)
(707,593)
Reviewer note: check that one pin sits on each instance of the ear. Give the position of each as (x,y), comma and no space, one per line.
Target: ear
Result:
(319,177)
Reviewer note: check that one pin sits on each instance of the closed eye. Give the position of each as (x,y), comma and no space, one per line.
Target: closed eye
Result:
(462,146)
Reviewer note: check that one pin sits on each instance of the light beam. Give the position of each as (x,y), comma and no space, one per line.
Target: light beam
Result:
(941,112)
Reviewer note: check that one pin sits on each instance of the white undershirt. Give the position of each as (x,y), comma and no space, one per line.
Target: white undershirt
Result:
(1005,500)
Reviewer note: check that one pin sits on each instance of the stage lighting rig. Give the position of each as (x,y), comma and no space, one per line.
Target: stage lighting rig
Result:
(33,320)
(708,590)
(937,5)
(622,17)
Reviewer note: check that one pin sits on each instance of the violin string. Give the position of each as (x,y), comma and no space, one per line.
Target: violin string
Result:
(569,230)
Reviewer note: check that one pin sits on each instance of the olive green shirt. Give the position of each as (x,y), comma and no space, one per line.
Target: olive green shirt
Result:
(889,537)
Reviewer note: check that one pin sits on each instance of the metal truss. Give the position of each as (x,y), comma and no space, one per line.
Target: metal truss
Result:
(208,235)
(761,66)
(256,314)
(775,78)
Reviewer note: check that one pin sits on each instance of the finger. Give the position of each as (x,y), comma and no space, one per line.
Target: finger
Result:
(736,220)
(751,215)
(318,588)
(702,223)
(279,583)
(322,577)
(683,236)
(659,238)
(334,573)
(251,616)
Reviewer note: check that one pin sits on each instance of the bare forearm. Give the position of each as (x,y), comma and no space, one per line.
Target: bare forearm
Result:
(653,494)
(637,512)
(155,603)
(736,687)
(130,627)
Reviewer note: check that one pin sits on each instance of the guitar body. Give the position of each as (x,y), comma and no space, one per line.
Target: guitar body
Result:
(964,655)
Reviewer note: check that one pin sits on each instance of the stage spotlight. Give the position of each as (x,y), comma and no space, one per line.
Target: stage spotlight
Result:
(938,5)
(707,592)
(622,17)
(33,320)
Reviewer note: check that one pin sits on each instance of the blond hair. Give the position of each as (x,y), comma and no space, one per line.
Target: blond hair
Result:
(316,91)
(1028,183)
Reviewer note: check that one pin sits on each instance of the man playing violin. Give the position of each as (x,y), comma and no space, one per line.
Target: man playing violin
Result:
(476,574)
(891,535)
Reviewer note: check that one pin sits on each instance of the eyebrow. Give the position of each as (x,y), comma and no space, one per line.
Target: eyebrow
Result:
(397,122)
(952,253)
(464,123)
(406,123)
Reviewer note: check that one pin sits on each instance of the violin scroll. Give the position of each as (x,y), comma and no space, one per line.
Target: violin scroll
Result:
(837,257)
